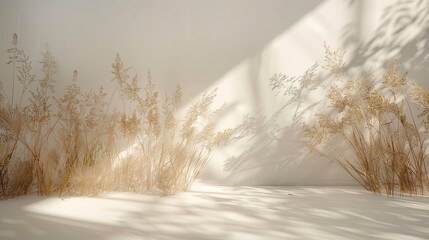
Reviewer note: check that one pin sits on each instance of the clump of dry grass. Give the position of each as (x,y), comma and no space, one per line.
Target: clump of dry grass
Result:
(26,129)
(69,145)
(169,155)
(369,131)
(13,127)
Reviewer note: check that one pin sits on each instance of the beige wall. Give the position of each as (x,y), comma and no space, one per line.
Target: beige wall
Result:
(234,45)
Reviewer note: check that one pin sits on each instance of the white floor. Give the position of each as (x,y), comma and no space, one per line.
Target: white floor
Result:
(210,212)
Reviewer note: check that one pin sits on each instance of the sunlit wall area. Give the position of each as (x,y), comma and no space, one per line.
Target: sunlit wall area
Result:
(234,46)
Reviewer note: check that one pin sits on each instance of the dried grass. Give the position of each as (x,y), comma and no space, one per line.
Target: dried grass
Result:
(372,132)
(69,145)
(169,155)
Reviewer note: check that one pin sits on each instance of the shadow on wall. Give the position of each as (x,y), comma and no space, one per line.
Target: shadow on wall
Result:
(277,153)
(402,34)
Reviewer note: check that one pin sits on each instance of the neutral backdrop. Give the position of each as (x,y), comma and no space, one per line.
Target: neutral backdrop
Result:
(233,45)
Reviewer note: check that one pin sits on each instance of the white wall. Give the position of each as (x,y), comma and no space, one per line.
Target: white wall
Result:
(234,45)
